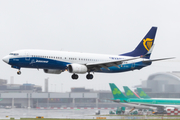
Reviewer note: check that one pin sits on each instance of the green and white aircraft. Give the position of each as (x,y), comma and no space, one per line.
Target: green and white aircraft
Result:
(147,103)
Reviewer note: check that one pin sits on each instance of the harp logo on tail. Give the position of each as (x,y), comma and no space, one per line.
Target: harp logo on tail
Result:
(147,43)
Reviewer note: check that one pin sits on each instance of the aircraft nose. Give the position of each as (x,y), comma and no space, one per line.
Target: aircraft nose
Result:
(6,59)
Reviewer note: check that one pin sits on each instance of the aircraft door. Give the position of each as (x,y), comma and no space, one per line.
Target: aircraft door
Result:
(132,65)
(27,56)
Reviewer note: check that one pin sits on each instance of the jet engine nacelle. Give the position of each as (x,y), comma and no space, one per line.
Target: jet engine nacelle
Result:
(77,68)
(52,71)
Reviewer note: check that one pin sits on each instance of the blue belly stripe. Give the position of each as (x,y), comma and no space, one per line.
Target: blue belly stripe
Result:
(45,63)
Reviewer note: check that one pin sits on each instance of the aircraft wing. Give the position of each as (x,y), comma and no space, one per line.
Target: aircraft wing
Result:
(154,105)
(97,66)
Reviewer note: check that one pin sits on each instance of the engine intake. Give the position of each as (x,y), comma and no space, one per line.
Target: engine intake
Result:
(77,68)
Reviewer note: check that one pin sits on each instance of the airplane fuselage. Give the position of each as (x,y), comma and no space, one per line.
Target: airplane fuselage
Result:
(175,103)
(79,63)
(48,59)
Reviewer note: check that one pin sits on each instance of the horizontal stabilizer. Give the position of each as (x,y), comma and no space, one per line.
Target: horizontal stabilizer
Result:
(152,60)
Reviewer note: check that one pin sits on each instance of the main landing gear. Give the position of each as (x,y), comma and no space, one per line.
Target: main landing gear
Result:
(74,76)
(88,76)
(19,72)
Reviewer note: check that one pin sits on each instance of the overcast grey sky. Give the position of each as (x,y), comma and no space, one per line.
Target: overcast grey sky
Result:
(94,26)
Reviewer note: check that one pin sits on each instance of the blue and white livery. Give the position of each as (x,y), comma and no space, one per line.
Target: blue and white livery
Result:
(56,62)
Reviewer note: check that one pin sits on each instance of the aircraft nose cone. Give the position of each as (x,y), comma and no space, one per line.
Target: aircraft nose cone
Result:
(6,59)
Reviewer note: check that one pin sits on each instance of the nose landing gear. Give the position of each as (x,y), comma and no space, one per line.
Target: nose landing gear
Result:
(19,72)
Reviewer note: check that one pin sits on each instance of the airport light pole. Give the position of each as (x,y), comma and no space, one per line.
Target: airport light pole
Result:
(55,87)
(61,87)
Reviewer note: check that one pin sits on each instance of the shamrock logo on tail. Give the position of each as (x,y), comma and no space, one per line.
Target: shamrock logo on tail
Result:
(116,91)
(142,93)
(129,93)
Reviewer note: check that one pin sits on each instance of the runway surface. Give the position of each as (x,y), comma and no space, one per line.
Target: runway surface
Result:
(71,113)
(32,113)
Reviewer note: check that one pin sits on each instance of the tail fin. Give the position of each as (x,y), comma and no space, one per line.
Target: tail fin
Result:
(142,94)
(129,93)
(145,45)
(116,92)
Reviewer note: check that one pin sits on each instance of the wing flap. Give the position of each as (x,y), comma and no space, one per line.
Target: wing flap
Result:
(97,66)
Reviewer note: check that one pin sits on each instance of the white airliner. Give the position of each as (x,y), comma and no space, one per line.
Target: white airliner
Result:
(56,62)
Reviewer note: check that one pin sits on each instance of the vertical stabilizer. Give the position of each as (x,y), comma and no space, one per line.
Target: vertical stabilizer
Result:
(117,94)
(145,45)
(141,93)
(129,93)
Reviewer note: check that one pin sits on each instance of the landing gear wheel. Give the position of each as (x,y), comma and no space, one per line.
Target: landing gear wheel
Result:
(18,72)
(74,76)
(89,76)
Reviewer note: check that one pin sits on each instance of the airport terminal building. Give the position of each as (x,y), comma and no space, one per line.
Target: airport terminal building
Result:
(31,96)
(158,85)
(162,85)
(33,100)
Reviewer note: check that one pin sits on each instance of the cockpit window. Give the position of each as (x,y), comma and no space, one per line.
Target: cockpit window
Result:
(13,54)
